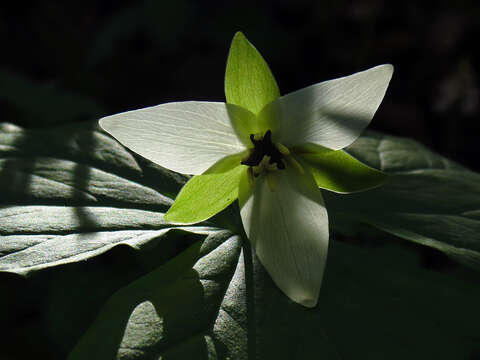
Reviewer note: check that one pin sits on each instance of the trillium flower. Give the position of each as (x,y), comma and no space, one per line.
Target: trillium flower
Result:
(270,152)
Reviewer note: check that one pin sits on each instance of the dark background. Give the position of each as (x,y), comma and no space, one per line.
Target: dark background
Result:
(63,62)
(77,61)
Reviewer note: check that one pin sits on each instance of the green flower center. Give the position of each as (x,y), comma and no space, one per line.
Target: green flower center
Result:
(264,148)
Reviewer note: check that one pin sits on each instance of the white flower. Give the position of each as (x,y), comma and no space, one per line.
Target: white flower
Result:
(273,160)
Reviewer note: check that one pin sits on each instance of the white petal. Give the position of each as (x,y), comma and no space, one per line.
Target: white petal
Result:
(186,137)
(288,228)
(331,113)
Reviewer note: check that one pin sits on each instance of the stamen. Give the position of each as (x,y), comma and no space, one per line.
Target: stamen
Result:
(266,160)
(250,176)
(264,156)
(271,182)
(283,149)
(258,169)
(295,164)
(271,167)
(257,137)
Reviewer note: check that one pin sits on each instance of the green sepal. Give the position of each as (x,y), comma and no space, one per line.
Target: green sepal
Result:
(206,195)
(340,172)
(248,80)
(244,123)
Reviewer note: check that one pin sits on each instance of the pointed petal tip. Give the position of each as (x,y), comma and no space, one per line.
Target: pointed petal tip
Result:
(239,34)
(108,125)
(331,113)
(308,302)
(387,68)
(288,230)
(103,123)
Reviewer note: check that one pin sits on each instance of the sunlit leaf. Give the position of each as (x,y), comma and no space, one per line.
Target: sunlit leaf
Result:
(212,302)
(83,217)
(428,199)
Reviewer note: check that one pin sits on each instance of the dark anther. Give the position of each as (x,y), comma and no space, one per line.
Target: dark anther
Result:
(264,147)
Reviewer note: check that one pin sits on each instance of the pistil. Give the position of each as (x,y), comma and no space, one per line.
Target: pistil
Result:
(263,147)
(266,157)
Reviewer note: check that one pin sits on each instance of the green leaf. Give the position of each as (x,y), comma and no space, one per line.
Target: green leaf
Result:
(215,301)
(109,279)
(396,154)
(177,294)
(245,123)
(206,195)
(428,199)
(75,197)
(248,80)
(340,172)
